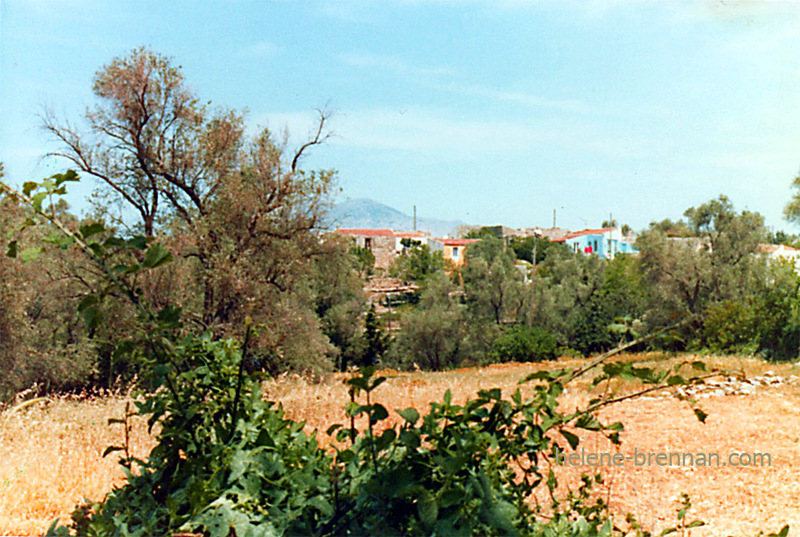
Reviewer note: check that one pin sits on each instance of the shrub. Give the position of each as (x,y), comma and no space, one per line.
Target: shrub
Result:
(731,327)
(525,344)
(225,458)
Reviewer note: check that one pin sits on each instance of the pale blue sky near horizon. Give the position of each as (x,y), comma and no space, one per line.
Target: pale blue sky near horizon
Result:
(490,112)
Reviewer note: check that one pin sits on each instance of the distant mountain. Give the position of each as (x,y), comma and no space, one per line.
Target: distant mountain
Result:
(366,213)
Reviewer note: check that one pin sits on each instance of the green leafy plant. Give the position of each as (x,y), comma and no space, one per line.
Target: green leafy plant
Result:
(525,344)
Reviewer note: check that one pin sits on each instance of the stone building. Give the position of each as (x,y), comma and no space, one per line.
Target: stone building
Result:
(381,242)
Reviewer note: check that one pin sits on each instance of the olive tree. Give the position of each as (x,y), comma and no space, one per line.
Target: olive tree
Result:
(691,276)
(238,212)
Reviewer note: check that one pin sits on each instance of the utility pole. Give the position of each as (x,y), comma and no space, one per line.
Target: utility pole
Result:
(415,218)
(554,218)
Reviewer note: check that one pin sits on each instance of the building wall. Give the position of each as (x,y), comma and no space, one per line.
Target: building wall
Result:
(380,242)
(455,254)
(383,248)
(453,250)
(419,237)
(606,245)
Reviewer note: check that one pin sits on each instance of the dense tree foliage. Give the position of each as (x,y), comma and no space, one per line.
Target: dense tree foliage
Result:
(237,211)
(241,220)
(524,248)
(493,287)
(416,262)
(716,263)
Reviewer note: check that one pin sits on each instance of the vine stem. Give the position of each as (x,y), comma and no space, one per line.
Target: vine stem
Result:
(619,348)
(129,292)
(240,379)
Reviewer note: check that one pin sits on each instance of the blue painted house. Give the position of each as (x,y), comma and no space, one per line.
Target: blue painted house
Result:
(605,242)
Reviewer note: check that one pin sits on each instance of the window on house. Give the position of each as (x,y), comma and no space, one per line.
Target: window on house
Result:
(368,243)
(455,252)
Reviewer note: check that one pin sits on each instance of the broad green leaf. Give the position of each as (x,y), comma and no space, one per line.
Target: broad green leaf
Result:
(588,422)
(170,315)
(378,413)
(98,249)
(675,380)
(37,200)
(377,382)
(501,516)
(139,242)
(410,438)
(114,242)
(322,505)
(359,383)
(87,230)
(386,439)
(333,428)
(545,375)
(69,175)
(346,455)
(28,187)
(783,533)
(353,409)
(411,415)
(92,317)
(572,439)
(156,256)
(493,394)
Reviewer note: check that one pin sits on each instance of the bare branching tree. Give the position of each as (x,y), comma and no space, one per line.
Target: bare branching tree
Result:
(242,214)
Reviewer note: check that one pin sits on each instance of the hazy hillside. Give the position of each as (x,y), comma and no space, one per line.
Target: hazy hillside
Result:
(366,213)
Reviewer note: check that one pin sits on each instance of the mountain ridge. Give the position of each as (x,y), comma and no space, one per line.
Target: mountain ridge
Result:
(369,214)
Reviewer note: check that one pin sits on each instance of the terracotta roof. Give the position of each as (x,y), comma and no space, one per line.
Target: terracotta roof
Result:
(409,234)
(772,248)
(367,232)
(589,232)
(457,242)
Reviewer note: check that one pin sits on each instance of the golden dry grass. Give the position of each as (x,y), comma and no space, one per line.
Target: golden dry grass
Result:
(51,459)
(50,455)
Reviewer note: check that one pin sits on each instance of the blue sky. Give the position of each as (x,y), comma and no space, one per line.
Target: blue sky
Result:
(495,111)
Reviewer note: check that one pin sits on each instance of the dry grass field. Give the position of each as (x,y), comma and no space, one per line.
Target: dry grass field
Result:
(50,451)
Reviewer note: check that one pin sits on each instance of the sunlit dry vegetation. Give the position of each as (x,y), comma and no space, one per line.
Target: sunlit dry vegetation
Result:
(51,450)
(51,457)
